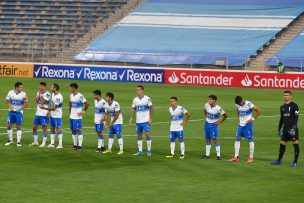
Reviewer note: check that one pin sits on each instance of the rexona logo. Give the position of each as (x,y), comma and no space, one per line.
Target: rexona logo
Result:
(173,78)
(246,82)
(44,71)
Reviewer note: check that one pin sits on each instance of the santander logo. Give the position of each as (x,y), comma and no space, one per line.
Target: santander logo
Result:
(246,82)
(173,78)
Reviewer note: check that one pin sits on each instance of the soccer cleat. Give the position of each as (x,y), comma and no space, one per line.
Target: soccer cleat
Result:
(34,144)
(206,157)
(120,152)
(250,160)
(79,148)
(9,143)
(107,151)
(234,159)
(293,164)
(138,153)
(182,156)
(277,162)
(218,158)
(149,153)
(98,150)
(59,147)
(103,148)
(74,148)
(18,144)
(170,156)
(51,146)
(42,145)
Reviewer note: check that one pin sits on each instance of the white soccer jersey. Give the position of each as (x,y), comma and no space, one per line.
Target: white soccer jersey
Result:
(46,96)
(77,102)
(245,112)
(213,113)
(142,107)
(177,116)
(111,109)
(57,100)
(99,110)
(16,99)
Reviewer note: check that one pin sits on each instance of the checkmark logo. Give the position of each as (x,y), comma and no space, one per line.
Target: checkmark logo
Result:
(37,71)
(79,73)
(122,75)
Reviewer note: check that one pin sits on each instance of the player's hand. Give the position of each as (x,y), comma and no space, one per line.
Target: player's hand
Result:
(217,123)
(80,113)
(150,121)
(280,133)
(130,121)
(292,132)
(183,123)
(19,110)
(111,124)
(105,126)
(11,109)
(42,107)
(249,121)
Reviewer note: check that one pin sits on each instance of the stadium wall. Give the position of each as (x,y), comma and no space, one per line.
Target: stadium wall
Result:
(169,76)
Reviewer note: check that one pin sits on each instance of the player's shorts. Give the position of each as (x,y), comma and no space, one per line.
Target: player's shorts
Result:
(41,120)
(75,124)
(177,134)
(288,137)
(14,118)
(245,131)
(115,129)
(140,127)
(56,122)
(211,131)
(99,127)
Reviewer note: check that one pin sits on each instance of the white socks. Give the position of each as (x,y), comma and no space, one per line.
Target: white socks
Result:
(74,140)
(10,135)
(120,142)
(60,139)
(139,144)
(172,147)
(110,143)
(218,149)
(149,143)
(80,138)
(19,134)
(208,148)
(182,146)
(251,149)
(237,145)
(52,139)
(100,143)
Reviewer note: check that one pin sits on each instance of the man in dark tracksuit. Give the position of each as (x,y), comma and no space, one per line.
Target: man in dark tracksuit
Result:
(289,122)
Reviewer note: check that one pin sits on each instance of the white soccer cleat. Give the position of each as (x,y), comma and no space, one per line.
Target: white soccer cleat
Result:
(120,152)
(51,146)
(18,144)
(9,143)
(42,145)
(107,151)
(59,147)
(34,144)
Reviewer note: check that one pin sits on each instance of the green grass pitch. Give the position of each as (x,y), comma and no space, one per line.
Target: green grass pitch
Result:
(30,174)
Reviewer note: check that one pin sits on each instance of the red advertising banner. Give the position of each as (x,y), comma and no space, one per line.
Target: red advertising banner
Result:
(235,79)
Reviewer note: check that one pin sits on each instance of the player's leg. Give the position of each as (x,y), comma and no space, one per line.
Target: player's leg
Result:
(44,124)
(248,133)
(19,122)
(295,143)
(217,149)
(237,144)
(73,128)
(60,137)
(285,138)
(80,133)
(118,129)
(139,131)
(208,140)
(172,144)
(35,131)
(110,140)
(182,144)
(52,134)
(148,138)
(10,121)
(99,131)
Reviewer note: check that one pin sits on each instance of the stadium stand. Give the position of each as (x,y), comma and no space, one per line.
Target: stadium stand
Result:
(194,31)
(292,55)
(33,28)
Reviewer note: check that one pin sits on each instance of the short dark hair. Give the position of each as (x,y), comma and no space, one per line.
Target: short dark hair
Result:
(110,94)
(212,97)
(288,92)
(56,86)
(141,87)
(175,98)
(280,63)
(42,83)
(17,84)
(74,85)
(238,99)
(97,92)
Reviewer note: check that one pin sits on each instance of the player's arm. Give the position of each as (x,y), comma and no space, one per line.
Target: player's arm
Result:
(187,117)
(257,111)
(115,118)
(49,108)
(25,104)
(70,106)
(105,118)
(9,105)
(151,110)
(281,121)
(224,117)
(296,114)
(238,115)
(36,100)
(86,106)
(132,114)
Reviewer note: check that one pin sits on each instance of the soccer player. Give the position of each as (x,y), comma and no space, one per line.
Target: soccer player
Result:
(177,123)
(289,122)
(142,105)
(41,117)
(99,118)
(212,115)
(16,100)
(56,116)
(76,112)
(113,108)
(245,127)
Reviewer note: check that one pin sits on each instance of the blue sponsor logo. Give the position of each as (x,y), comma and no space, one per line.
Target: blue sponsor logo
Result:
(99,73)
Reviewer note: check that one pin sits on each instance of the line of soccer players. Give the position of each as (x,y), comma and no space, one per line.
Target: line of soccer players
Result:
(50,105)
